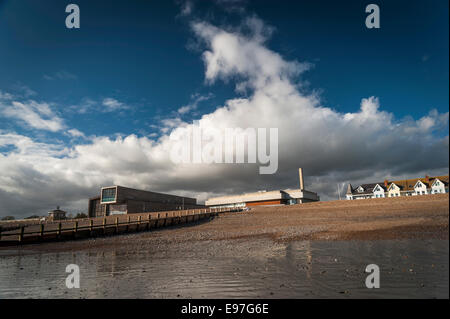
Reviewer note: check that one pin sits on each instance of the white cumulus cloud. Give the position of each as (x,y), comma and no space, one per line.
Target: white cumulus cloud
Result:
(112,105)
(369,144)
(32,114)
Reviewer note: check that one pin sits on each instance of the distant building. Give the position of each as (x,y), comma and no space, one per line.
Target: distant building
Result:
(266,198)
(439,186)
(117,200)
(408,187)
(56,214)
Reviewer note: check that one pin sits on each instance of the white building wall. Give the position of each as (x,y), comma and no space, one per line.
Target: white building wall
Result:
(394,191)
(438,187)
(378,192)
(420,189)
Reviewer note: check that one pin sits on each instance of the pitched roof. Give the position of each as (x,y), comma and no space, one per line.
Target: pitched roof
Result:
(443,179)
(408,184)
(349,189)
(368,188)
(404,185)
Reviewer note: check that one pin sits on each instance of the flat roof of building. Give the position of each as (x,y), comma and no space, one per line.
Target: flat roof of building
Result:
(262,196)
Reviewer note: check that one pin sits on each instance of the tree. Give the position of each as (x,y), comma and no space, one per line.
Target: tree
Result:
(8,218)
(81,215)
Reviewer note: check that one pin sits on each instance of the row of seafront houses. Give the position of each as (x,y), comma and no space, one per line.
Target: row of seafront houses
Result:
(408,187)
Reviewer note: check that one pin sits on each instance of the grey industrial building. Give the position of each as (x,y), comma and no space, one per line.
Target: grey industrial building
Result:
(114,200)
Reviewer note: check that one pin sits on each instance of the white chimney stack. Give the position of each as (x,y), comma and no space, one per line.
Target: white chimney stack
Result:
(300,175)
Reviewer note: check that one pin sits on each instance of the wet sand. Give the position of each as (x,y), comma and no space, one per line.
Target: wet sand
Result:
(239,268)
(316,250)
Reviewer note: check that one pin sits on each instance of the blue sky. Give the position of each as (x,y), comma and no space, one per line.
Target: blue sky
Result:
(138,53)
(139,68)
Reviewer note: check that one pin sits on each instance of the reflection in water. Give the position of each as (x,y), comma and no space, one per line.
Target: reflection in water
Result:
(233,269)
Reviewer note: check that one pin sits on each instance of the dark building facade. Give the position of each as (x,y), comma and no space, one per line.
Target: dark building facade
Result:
(115,200)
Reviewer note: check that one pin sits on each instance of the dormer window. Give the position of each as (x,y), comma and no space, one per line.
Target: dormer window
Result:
(360,189)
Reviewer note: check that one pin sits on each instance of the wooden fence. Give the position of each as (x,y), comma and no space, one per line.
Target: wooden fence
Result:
(110,225)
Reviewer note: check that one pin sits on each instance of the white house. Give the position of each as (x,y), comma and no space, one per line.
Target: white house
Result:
(394,190)
(378,191)
(420,188)
(364,191)
(439,187)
